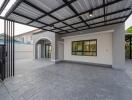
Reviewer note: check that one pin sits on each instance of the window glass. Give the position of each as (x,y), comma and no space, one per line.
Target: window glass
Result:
(84,48)
(86,45)
(73,53)
(92,45)
(94,53)
(86,53)
(79,46)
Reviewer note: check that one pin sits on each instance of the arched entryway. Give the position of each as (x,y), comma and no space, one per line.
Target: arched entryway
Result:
(43,49)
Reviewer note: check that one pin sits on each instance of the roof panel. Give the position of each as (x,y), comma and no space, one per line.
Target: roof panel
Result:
(19,18)
(119,20)
(36,24)
(56,30)
(47,19)
(66,28)
(63,13)
(124,13)
(82,28)
(97,25)
(72,20)
(85,16)
(72,30)
(117,15)
(119,6)
(78,25)
(48,27)
(96,20)
(84,5)
(28,11)
(60,24)
(62,32)
(47,5)
(96,13)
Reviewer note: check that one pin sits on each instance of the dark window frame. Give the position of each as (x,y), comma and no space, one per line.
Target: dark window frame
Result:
(74,52)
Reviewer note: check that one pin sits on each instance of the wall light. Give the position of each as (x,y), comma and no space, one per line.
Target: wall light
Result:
(91,13)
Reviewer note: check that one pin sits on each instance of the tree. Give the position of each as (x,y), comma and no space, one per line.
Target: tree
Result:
(129,30)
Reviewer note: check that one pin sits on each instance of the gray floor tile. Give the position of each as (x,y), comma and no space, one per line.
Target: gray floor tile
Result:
(43,80)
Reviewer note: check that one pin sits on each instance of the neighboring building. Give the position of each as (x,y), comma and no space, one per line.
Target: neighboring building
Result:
(26,37)
(1,38)
(22,50)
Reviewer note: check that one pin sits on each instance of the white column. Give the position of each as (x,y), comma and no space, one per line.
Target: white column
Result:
(118,47)
(39,50)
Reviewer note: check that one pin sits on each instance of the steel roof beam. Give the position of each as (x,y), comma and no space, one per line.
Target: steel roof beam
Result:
(18,2)
(46,13)
(93,9)
(112,13)
(4,5)
(104,21)
(60,7)
(75,12)
(104,10)
(36,21)
(96,26)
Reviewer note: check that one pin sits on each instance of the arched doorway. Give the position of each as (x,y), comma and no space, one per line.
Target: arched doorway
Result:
(43,49)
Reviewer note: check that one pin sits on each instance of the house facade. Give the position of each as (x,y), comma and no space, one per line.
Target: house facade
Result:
(82,31)
(26,37)
(101,46)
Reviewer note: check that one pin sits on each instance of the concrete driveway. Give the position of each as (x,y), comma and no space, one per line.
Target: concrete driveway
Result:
(43,80)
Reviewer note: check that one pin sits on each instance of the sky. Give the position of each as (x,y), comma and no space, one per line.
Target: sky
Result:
(128,23)
(19,28)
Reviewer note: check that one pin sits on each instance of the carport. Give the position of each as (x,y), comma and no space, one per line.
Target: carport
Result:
(65,17)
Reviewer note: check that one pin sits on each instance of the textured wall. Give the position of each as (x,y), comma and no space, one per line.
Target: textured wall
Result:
(45,35)
(118,40)
(23,51)
(104,48)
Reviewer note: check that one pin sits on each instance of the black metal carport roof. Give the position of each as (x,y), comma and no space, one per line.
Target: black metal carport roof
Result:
(65,16)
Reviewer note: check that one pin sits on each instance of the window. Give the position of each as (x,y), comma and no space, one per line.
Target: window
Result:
(84,48)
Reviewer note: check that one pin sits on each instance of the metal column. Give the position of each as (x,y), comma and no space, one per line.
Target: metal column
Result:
(8,68)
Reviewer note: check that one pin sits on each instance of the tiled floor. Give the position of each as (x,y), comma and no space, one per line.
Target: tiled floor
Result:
(43,80)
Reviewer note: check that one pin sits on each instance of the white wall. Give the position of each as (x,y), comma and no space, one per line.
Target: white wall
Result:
(45,35)
(60,50)
(23,51)
(104,48)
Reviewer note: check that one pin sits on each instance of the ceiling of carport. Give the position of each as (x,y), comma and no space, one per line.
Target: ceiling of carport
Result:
(65,16)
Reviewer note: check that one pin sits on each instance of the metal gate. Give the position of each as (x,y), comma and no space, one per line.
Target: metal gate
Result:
(8,60)
(2,61)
